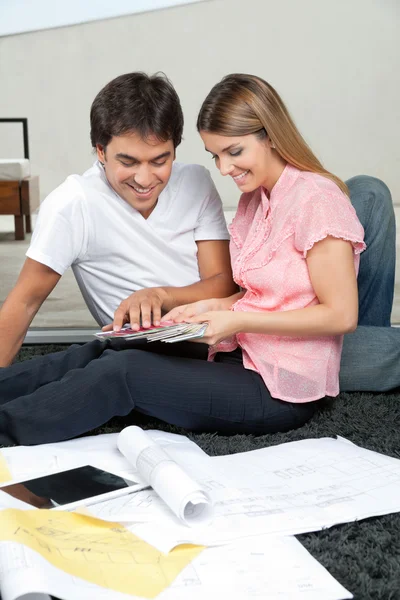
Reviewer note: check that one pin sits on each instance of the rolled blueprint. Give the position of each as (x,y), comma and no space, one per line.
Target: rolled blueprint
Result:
(184,496)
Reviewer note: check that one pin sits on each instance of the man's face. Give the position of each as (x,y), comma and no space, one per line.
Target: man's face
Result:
(138,170)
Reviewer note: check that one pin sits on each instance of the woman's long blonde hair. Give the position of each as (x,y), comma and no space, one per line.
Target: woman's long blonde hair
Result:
(243,104)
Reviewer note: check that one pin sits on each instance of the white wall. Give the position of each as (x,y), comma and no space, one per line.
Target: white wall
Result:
(336,64)
(19,16)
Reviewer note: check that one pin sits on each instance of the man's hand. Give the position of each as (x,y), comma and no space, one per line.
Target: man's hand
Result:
(142,308)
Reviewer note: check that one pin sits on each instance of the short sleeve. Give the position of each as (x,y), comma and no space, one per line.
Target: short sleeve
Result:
(325,215)
(211,224)
(59,235)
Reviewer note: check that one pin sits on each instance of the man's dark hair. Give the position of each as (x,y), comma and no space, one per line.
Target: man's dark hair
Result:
(136,102)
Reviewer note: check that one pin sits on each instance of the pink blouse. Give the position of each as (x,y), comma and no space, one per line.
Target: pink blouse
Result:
(270,239)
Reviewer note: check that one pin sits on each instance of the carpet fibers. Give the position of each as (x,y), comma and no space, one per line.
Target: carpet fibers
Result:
(364,556)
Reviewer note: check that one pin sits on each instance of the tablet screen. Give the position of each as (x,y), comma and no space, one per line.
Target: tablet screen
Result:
(65,487)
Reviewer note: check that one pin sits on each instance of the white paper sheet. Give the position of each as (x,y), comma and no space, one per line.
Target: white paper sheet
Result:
(277,569)
(287,489)
(180,492)
(26,462)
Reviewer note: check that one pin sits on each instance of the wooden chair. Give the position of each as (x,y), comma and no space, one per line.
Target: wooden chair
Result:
(19,196)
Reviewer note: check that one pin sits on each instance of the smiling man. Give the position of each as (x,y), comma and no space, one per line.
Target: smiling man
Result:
(139,181)
(142,233)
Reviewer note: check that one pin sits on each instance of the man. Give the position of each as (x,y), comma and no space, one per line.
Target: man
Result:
(135,222)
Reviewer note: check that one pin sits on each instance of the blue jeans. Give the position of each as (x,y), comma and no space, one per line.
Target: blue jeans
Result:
(371,355)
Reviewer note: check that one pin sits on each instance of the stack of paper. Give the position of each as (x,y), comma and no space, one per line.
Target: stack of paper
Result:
(251,498)
(71,557)
(170,333)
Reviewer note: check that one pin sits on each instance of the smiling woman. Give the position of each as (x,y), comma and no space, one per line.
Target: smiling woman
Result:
(244,109)
(241,158)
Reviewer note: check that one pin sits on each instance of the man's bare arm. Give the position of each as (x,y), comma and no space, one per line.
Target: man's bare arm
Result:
(34,284)
(215,273)
(146,306)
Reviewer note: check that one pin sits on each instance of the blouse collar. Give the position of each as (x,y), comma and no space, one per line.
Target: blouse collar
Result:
(285,181)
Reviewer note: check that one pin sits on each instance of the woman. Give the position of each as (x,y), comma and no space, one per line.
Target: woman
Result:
(276,345)
(295,245)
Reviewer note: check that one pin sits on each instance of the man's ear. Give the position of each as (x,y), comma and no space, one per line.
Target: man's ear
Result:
(101,153)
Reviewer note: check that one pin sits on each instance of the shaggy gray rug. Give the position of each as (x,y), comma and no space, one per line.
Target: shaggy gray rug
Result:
(363,556)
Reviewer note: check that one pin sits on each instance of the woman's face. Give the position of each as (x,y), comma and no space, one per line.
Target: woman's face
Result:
(250,161)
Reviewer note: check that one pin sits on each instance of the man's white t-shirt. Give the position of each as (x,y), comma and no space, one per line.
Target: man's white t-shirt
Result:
(112,249)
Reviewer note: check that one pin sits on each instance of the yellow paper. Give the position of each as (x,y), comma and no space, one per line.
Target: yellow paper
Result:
(5,474)
(103,553)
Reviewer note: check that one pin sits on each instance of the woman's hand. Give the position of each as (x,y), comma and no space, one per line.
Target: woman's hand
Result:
(221,324)
(181,314)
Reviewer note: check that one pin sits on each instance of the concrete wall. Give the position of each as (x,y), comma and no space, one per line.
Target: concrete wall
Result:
(336,64)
